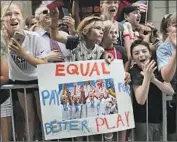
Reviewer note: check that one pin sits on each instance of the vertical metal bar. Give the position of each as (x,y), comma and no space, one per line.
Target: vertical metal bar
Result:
(176,118)
(147,121)
(102,137)
(164,110)
(87,139)
(133,136)
(13,125)
(117,136)
(26,113)
(42,129)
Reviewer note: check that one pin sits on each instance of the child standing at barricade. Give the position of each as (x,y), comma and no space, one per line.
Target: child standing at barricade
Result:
(109,9)
(147,88)
(90,31)
(118,52)
(22,57)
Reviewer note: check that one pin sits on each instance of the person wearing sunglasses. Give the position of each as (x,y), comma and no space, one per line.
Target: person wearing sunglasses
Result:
(57,51)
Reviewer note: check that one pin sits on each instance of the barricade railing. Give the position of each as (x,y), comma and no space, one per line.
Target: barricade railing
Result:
(12,87)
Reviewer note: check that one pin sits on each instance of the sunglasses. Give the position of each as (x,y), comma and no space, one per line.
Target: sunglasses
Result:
(45,12)
(33,24)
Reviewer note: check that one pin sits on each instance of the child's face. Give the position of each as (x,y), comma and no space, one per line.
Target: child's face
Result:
(112,36)
(96,32)
(110,7)
(141,55)
(134,18)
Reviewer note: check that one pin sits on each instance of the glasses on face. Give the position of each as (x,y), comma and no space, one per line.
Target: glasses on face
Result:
(33,24)
(45,12)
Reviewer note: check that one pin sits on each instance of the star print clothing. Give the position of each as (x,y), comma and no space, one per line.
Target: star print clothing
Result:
(82,53)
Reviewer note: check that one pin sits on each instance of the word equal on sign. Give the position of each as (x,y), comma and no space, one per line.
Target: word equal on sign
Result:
(82,69)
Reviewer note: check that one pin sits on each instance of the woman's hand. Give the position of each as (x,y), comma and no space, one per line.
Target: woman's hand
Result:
(15,47)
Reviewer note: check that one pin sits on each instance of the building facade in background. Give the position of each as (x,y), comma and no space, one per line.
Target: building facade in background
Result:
(157,8)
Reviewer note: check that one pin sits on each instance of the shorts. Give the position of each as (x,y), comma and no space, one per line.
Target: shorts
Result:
(4,95)
(28,90)
(6,108)
(154,130)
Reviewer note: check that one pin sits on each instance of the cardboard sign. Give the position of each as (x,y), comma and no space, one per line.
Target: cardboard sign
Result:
(84,98)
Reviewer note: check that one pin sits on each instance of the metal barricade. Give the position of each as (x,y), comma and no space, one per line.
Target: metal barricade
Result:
(11,87)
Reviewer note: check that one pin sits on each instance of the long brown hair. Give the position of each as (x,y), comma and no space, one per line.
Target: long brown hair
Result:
(164,25)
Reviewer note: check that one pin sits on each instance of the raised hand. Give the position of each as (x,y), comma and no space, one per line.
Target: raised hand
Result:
(70,22)
(148,69)
(54,14)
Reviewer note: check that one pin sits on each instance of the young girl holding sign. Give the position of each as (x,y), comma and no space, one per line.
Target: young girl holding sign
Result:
(147,88)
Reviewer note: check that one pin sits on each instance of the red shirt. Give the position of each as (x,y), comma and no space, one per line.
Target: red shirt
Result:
(116,54)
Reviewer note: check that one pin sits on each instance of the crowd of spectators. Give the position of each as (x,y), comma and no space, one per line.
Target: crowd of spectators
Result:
(149,58)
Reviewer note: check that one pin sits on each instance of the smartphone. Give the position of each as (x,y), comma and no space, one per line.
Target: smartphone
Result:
(20,37)
(53,4)
(65,11)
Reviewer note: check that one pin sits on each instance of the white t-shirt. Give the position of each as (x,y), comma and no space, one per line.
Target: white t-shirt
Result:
(92,107)
(66,111)
(87,89)
(46,43)
(75,111)
(102,106)
(19,68)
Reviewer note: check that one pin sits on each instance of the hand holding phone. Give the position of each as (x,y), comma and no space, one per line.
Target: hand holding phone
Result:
(65,11)
(15,44)
(19,37)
